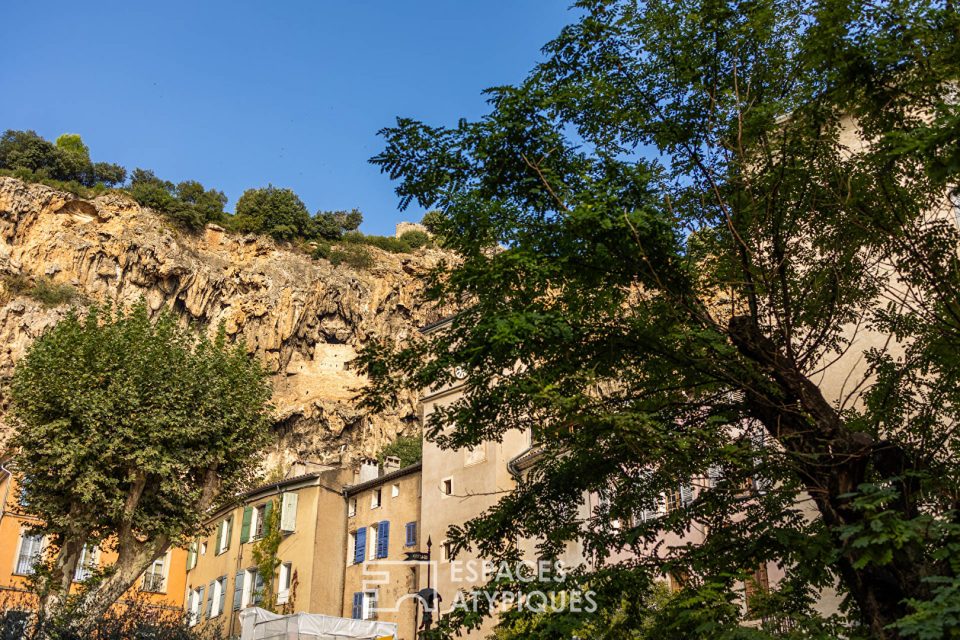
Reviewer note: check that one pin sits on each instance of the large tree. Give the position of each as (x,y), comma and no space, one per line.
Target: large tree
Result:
(667,233)
(129,431)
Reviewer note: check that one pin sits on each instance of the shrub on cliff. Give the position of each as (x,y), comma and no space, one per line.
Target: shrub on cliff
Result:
(273,211)
(415,238)
(331,225)
(188,204)
(387,243)
(353,255)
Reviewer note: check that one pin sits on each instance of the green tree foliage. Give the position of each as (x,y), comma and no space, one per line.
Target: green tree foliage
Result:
(129,430)
(273,211)
(265,556)
(432,220)
(408,448)
(387,243)
(354,255)
(74,158)
(331,225)
(667,231)
(415,239)
(27,150)
(188,204)
(110,174)
(32,157)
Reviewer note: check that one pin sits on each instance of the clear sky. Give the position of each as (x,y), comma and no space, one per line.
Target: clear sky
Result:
(239,94)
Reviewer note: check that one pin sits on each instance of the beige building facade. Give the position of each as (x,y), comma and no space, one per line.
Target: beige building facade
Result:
(222,575)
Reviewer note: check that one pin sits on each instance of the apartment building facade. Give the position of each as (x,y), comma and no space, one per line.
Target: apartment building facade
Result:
(383,526)
(222,576)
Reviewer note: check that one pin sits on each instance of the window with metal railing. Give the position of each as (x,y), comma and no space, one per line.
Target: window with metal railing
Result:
(154,580)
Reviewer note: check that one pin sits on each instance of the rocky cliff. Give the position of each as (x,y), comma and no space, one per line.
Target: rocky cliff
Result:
(304,318)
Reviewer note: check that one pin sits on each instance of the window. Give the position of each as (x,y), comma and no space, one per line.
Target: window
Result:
(673,499)
(252,591)
(29,553)
(196,605)
(374,534)
(86,564)
(446,551)
(394,490)
(224,533)
(411,529)
(22,493)
(283,585)
(681,496)
(364,605)
(203,548)
(254,521)
(153,578)
(218,592)
(260,517)
(756,584)
(376,498)
(677,581)
(352,507)
(446,486)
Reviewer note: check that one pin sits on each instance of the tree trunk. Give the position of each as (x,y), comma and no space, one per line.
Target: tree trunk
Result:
(130,564)
(56,588)
(833,461)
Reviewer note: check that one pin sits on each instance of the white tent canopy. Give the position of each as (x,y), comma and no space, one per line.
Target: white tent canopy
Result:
(260,624)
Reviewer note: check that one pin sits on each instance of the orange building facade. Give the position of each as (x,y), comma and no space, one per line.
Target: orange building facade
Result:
(162,585)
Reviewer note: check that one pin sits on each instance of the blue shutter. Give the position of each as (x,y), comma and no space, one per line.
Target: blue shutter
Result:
(411,534)
(383,538)
(237,590)
(360,549)
(357,605)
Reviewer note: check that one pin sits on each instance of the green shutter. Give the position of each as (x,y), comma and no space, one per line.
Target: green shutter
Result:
(229,532)
(191,556)
(245,526)
(219,538)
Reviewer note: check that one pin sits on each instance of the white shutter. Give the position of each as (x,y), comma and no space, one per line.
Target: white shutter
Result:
(686,494)
(714,475)
(288,512)
(283,593)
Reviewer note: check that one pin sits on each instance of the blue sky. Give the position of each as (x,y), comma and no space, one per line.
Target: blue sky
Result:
(241,94)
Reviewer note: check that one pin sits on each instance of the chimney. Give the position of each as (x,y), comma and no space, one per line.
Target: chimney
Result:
(391,463)
(369,469)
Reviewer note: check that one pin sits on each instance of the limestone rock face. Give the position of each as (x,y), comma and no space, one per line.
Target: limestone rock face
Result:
(304,318)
